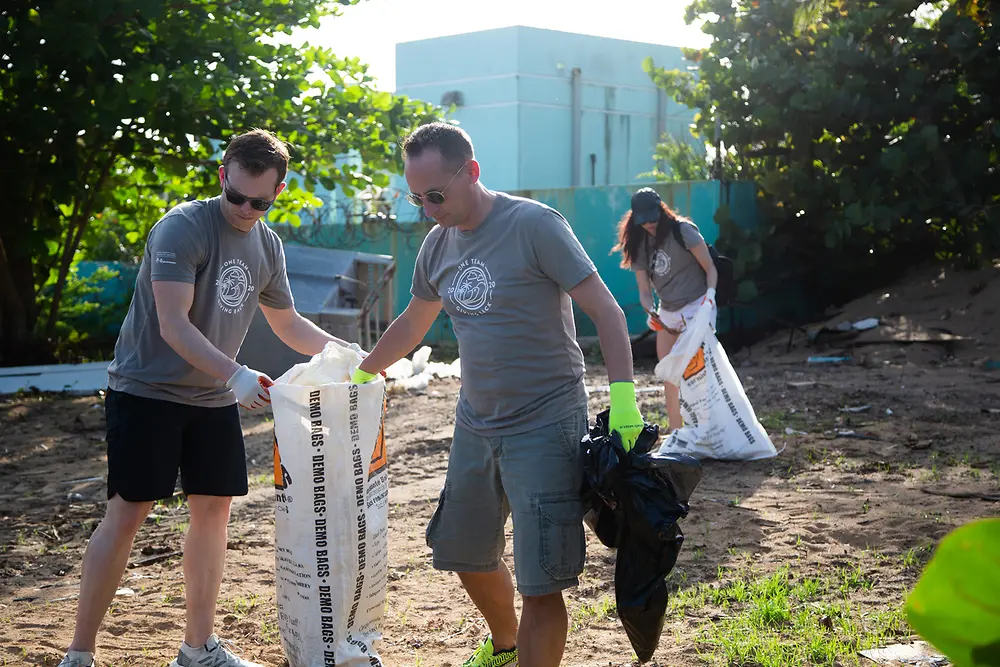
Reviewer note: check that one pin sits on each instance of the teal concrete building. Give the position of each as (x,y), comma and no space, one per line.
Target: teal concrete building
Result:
(548,109)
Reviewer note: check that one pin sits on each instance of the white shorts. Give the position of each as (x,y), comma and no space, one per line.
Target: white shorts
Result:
(678,319)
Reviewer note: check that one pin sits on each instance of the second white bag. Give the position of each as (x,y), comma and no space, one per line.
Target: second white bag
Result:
(719,421)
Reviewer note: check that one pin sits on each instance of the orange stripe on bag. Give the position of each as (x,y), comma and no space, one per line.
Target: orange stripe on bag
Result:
(380,457)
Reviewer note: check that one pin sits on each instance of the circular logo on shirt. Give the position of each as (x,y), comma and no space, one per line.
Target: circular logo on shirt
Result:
(472,289)
(234,286)
(661,263)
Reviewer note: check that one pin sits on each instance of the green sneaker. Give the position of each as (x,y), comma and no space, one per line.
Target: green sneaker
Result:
(484,657)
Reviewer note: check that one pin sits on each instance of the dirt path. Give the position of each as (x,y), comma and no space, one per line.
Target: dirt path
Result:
(851,515)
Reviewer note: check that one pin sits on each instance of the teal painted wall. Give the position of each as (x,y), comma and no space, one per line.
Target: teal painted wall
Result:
(593,212)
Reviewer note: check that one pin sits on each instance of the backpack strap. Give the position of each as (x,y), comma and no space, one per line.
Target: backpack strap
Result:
(677,233)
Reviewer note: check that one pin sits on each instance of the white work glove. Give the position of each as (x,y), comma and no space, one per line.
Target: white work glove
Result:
(250,387)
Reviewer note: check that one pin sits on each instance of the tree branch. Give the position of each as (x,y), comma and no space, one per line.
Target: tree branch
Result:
(73,237)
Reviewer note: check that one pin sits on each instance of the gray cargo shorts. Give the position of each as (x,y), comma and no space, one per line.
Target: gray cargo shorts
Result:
(536,476)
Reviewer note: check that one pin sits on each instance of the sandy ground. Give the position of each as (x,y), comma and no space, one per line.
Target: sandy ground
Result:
(826,504)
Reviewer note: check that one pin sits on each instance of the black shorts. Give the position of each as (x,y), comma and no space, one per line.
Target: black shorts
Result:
(149,440)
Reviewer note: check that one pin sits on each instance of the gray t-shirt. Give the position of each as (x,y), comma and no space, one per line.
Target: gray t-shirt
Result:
(505,286)
(231,271)
(677,277)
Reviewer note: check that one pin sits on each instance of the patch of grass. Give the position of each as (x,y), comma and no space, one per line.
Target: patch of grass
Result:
(263,479)
(269,632)
(932,475)
(405,613)
(171,504)
(852,579)
(810,422)
(594,612)
(171,598)
(780,620)
(242,606)
(775,421)
(917,557)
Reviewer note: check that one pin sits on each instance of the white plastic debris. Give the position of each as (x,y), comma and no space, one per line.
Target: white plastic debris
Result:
(420,359)
(415,382)
(415,373)
(917,653)
(400,370)
(442,370)
(420,364)
(334,364)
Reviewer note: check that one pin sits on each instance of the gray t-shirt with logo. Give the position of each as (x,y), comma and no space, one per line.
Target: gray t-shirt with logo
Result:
(505,286)
(231,272)
(677,277)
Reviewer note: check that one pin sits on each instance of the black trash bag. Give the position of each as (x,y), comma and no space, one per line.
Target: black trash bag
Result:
(633,501)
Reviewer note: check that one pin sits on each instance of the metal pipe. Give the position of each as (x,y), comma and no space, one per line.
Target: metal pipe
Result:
(661,123)
(576,123)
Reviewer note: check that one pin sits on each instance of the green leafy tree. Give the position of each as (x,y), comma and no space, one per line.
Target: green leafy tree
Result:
(683,161)
(870,127)
(114,110)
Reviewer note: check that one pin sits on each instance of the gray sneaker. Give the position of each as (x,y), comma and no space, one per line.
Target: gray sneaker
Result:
(212,654)
(78,659)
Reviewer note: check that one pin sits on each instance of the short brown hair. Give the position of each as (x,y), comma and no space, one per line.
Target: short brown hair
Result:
(451,141)
(257,151)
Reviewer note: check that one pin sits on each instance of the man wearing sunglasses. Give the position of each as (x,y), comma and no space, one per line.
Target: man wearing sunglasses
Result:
(506,269)
(173,387)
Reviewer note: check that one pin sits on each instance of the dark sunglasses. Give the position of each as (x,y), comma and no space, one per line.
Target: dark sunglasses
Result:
(435,197)
(236,199)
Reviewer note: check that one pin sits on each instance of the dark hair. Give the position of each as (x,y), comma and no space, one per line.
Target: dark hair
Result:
(257,151)
(631,236)
(451,141)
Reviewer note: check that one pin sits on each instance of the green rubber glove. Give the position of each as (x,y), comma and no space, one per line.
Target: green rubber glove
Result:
(625,416)
(360,377)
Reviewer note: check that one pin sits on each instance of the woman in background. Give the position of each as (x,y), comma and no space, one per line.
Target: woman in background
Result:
(682,274)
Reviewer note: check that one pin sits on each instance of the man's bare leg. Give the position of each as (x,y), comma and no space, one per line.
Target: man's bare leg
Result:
(204,560)
(541,639)
(493,595)
(103,566)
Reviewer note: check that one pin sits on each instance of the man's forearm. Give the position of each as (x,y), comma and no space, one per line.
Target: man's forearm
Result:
(194,348)
(612,331)
(397,341)
(306,338)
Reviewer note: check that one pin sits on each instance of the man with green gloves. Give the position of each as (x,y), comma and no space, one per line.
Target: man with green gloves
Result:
(505,270)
